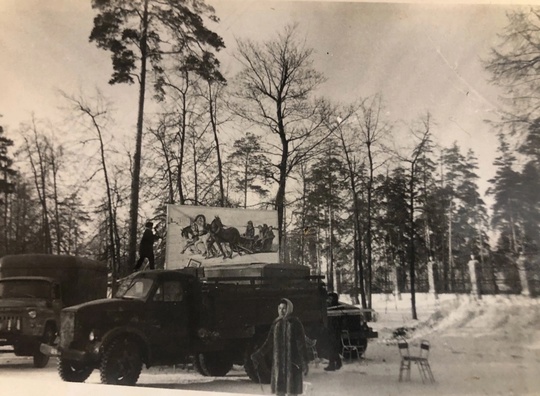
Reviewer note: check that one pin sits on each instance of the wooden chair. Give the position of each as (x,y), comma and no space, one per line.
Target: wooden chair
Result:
(348,348)
(421,360)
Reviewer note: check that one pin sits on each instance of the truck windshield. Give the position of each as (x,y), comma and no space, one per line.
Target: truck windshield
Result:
(137,290)
(25,289)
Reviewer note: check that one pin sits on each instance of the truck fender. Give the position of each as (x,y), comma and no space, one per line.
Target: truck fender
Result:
(130,332)
(51,323)
(44,340)
(42,324)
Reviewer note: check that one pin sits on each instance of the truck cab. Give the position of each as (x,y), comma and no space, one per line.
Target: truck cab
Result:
(150,310)
(29,310)
(34,288)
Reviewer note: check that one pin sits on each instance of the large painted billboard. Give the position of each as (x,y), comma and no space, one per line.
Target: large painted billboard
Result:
(205,236)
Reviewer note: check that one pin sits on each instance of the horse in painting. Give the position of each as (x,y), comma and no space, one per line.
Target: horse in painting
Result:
(225,235)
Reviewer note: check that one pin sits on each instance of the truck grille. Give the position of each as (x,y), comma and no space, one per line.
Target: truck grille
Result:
(10,323)
(67,329)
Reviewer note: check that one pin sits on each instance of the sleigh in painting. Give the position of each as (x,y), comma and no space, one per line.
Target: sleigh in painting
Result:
(215,239)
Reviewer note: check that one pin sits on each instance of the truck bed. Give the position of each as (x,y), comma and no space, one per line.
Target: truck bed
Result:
(250,293)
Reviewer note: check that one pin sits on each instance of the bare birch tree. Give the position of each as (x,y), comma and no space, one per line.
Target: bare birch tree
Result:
(35,149)
(273,93)
(96,112)
(372,128)
(422,141)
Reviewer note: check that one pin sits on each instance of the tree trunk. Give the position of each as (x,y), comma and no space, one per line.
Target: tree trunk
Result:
(213,121)
(412,250)
(181,197)
(6,211)
(280,195)
(40,183)
(57,228)
(135,178)
(450,249)
(280,201)
(368,231)
(332,281)
(245,183)
(112,226)
(361,277)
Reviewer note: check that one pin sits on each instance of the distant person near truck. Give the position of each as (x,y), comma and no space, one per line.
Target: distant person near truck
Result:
(146,247)
(286,341)
(334,335)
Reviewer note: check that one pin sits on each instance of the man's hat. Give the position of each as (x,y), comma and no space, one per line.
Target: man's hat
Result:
(149,224)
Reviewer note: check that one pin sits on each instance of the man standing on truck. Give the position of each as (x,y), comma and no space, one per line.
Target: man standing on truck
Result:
(146,247)
(287,342)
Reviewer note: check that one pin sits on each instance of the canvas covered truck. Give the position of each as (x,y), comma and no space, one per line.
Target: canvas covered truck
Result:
(33,290)
(214,317)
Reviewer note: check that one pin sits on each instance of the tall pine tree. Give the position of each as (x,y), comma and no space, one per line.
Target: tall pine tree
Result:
(7,188)
(142,35)
(506,188)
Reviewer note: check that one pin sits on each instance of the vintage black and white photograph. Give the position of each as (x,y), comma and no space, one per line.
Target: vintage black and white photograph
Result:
(256,197)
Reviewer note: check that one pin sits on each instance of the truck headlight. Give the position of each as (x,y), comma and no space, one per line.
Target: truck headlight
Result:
(32,313)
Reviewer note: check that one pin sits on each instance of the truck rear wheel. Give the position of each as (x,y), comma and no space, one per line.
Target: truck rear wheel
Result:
(260,372)
(41,360)
(72,371)
(213,364)
(121,363)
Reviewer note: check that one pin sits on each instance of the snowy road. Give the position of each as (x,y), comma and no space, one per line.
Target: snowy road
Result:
(459,369)
(491,347)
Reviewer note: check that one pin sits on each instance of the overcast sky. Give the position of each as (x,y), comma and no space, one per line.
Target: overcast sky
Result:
(420,57)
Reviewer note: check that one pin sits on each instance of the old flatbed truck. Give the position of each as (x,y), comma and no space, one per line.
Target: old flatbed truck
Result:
(214,317)
(33,290)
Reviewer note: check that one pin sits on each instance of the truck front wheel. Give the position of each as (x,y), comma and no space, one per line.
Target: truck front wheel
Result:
(121,363)
(72,371)
(213,364)
(41,360)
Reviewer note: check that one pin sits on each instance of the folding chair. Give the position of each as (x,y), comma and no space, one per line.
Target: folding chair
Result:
(420,360)
(424,360)
(312,347)
(348,348)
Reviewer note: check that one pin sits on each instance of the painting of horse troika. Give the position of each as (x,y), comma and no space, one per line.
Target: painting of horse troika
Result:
(214,235)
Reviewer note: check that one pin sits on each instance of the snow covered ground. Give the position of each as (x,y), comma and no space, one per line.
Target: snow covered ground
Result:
(488,346)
